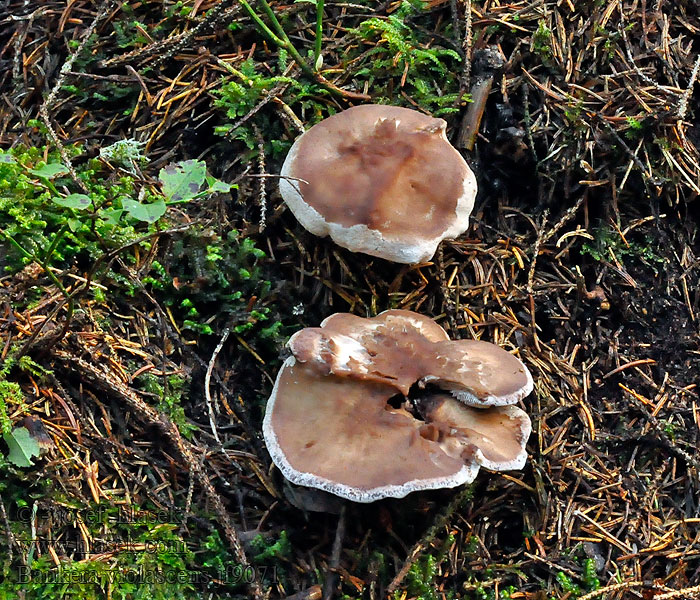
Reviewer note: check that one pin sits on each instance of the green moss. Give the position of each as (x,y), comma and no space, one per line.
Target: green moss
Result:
(214,280)
(420,580)
(608,242)
(40,221)
(153,564)
(171,396)
(248,87)
(590,577)
(11,396)
(281,548)
(401,58)
(542,41)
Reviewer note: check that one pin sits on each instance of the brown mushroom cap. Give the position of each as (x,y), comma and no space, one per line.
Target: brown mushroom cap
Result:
(382,180)
(337,434)
(328,423)
(495,435)
(401,348)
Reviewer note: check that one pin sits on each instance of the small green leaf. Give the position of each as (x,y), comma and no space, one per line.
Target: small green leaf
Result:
(111,216)
(76,201)
(216,186)
(50,171)
(74,225)
(7,158)
(22,447)
(181,181)
(148,213)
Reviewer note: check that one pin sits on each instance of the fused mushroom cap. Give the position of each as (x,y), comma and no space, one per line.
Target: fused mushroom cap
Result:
(328,423)
(382,180)
(401,348)
(337,434)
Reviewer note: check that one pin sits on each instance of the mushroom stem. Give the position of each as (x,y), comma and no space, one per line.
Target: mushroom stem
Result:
(329,585)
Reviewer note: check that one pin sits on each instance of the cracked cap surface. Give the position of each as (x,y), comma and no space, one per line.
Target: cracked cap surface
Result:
(329,424)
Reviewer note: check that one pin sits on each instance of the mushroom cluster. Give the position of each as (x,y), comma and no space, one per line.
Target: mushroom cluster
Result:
(340,418)
(382,180)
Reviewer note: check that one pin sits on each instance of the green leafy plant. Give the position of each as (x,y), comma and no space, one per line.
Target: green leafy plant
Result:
(608,243)
(420,579)
(217,277)
(542,41)
(48,219)
(42,223)
(23,447)
(400,59)
(247,89)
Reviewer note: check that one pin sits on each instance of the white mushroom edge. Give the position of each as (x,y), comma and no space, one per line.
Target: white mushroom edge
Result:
(466,397)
